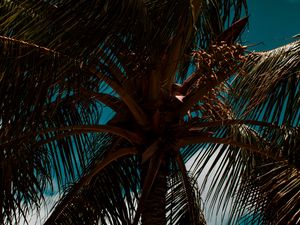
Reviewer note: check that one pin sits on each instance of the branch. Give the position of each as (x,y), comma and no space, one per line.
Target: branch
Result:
(219,123)
(71,130)
(137,112)
(111,101)
(41,48)
(225,141)
(79,129)
(179,42)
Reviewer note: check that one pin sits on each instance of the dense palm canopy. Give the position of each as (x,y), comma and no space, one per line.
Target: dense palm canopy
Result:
(176,86)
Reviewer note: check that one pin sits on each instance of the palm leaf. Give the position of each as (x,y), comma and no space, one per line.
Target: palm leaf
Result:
(240,162)
(46,120)
(270,86)
(97,202)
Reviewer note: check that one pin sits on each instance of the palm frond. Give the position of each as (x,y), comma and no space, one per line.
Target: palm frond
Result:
(100,203)
(60,25)
(252,144)
(189,209)
(268,89)
(90,198)
(225,165)
(41,102)
(178,207)
(264,177)
(273,184)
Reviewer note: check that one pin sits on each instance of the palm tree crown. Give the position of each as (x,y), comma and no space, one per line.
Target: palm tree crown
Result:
(110,99)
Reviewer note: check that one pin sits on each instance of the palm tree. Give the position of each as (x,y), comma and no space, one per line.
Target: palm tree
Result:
(110,99)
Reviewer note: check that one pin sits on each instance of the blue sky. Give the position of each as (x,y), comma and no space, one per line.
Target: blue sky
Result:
(272,23)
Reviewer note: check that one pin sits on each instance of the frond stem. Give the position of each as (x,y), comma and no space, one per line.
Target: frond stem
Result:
(134,108)
(219,123)
(225,141)
(79,129)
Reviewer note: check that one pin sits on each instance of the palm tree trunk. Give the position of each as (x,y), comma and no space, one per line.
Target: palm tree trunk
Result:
(154,207)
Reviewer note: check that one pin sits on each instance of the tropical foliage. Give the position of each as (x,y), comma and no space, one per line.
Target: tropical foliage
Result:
(108,100)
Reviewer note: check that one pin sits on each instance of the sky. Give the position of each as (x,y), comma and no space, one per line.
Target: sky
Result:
(272,23)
